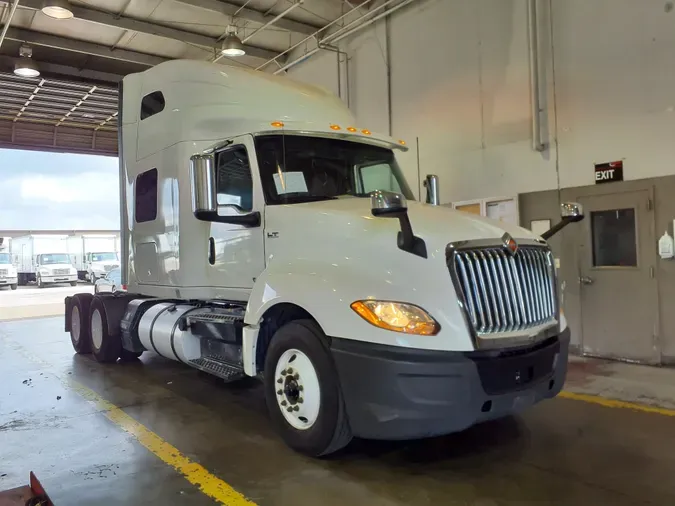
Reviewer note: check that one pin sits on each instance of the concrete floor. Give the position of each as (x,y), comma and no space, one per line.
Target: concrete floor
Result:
(560,452)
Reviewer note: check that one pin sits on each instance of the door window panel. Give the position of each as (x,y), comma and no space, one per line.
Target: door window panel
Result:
(234,185)
(614,238)
(378,177)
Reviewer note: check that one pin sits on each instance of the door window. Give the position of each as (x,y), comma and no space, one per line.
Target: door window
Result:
(234,185)
(146,196)
(378,177)
(614,238)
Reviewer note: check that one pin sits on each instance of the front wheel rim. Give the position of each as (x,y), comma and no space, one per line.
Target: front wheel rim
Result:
(297,389)
(96,329)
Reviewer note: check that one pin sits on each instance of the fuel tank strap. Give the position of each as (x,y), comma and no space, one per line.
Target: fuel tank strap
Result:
(152,328)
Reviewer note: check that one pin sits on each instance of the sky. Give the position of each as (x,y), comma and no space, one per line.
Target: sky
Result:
(53,191)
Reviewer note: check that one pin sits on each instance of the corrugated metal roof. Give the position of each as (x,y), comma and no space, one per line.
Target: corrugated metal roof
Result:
(81,59)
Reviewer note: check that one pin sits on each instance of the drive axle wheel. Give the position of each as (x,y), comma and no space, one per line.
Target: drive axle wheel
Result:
(79,323)
(105,345)
(303,392)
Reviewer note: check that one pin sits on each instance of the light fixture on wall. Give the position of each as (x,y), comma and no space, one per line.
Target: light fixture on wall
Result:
(25,66)
(232,45)
(57,9)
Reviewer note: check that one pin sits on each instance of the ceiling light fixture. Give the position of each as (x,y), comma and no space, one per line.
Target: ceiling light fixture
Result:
(232,45)
(25,66)
(57,9)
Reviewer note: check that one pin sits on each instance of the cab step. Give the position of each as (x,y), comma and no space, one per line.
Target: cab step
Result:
(218,367)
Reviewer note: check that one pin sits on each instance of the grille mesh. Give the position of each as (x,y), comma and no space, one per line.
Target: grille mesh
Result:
(504,292)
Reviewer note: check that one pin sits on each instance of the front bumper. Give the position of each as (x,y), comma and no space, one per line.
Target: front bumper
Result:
(9,281)
(65,278)
(401,393)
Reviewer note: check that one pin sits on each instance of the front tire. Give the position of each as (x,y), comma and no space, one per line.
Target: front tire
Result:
(40,284)
(92,278)
(79,323)
(303,392)
(73,283)
(106,344)
(14,286)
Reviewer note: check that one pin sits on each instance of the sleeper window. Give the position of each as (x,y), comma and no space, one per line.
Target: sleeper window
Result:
(152,104)
(145,204)
(233,182)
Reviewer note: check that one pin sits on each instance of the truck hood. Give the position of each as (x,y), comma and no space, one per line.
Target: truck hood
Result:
(103,263)
(437,224)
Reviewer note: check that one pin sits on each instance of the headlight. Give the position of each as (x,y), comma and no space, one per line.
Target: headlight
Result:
(73,270)
(397,316)
(44,271)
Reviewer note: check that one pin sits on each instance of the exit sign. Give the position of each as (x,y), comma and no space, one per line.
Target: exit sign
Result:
(608,172)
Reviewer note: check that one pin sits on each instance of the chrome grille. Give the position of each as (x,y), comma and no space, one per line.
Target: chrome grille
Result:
(58,272)
(3,272)
(504,292)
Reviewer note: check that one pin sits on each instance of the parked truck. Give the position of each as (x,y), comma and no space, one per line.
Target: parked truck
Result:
(266,234)
(8,275)
(43,259)
(94,255)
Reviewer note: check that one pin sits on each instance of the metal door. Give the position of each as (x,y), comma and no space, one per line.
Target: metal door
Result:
(617,259)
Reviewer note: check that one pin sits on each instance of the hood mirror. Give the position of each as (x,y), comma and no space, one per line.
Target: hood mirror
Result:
(386,204)
(571,212)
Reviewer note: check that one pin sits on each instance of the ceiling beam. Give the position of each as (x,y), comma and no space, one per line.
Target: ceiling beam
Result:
(145,27)
(251,15)
(79,46)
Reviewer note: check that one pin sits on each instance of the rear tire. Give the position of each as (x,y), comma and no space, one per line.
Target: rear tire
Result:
(79,323)
(73,283)
(320,430)
(106,344)
(14,286)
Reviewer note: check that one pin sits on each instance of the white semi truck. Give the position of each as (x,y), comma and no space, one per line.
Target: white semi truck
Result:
(95,255)
(8,274)
(43,259)
(266,234)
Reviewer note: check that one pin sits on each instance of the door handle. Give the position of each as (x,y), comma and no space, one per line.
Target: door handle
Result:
(212,250)
(585,280)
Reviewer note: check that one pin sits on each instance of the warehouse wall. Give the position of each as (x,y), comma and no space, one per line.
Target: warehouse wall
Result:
(460,84)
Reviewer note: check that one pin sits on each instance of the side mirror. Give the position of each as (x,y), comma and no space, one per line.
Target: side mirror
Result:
(203,176)
(386,204)
(571,213)
(204,195)
(433,195)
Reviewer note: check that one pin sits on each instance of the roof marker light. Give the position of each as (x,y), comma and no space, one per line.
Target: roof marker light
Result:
(401,142)
(366,132)
(277,124)
(351,129)
(335,127)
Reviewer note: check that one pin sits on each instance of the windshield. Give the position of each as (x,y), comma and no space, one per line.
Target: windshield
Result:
(59,258)
(296,168)
(101,257)
(4,258)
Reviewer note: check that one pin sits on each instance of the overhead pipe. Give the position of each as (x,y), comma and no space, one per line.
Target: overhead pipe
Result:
(533,42)
(313,35)
(9,20)
(266,25)
(339,35)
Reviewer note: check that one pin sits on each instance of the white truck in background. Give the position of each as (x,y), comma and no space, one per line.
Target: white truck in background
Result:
(266,234)
(8,276)
(43,259)
(94,255)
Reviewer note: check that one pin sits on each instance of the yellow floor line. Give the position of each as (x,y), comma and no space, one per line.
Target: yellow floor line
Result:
(196,474)
(611,403)
(193,472)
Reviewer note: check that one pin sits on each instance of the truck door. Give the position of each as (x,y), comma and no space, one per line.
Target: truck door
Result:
(236,252)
